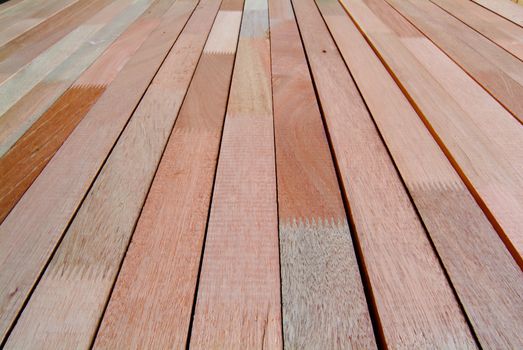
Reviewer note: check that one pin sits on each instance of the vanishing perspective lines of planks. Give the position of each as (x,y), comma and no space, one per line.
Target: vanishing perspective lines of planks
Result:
(261,174)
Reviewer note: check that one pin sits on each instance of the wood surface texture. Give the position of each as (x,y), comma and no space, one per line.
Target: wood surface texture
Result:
(251,174)
(480,268)
(175,229)
(238,299)
(477,134)
(390,234)
(36,224)
(322,295)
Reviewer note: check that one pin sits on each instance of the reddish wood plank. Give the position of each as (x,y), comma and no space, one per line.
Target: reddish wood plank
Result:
(324,304)
(32,229)
(174,229)
(476,133)
(26,159)
(500,73)
(486,278)
(505,9)
(238,302)
(415,304)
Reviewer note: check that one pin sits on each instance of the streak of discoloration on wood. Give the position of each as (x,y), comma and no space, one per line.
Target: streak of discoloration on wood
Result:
(479,266)
(416,307)
(322,295)
(38,221)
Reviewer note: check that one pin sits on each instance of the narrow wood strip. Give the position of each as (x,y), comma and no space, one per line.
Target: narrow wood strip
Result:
(238,302)
(29,155)
(22,50)
(487,280)
(478,135)
(14,88)
(500,73)
(22,25)
(32,229)
(164,256)
(89,256)
(505,9)
(18,119)
(324,304)
(415,305)
(501,31)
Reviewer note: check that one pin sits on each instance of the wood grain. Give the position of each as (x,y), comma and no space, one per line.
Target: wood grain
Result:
(29,155)
(501,31)
(32,229)
(476,133)
(480,268)
(324,304)
(505,9)
(415,305)
(174,229)
(238,301)
(500,73)
(91,256)
(22,50)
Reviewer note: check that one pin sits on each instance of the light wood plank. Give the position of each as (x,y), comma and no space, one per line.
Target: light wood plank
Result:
(164,256)
(21,83)
(500,73)
(22,50)
(477,134)
(32,229)
(238,302)
(21,24)
(324,304)
(487,280)
(501,31)
(29,155)
(88,259)
(415,304)
(505,9)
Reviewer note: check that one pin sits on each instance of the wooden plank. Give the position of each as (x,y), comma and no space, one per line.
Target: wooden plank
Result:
(21,24)
(174,229)
(505,9)
(478,135)
(238,302)
(22,50)
(500,73)
(29,108)
(415,305)
(29,155)
(501,31)
(18,85)
(36,224)
(324,304)
(86,264)
(9,4)
(487,280)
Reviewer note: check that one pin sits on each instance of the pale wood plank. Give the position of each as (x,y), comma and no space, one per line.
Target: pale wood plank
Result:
(21,24)
(501,31)
(238,301)
(500,73)
(324,304)
(29,155)
(415,304)
(505,9)
(30,232)
(487,280)
(29,108)
(476,133)
(9,4)
(95,244)
(22,50)
(163,259)
(20,83)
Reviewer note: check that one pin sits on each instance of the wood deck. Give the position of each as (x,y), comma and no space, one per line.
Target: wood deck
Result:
(301,174)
